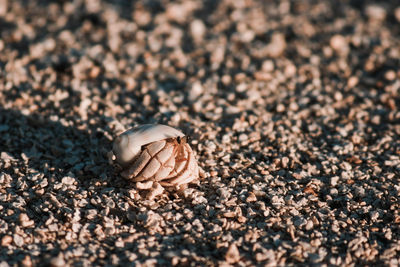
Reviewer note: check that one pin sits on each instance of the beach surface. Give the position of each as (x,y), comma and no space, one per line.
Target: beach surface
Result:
(292,109)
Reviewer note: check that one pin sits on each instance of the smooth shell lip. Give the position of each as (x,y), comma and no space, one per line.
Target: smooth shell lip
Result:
(129,144)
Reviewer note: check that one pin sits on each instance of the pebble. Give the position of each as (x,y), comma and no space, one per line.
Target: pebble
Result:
(339,44)
(232,255)
(18,240)
(390,75)
(277,45)
(251,198)
(196,91)
(197,30)
(268,66)
(397,13)
(280,108)
(375,12)
(25,221)
(309,225)
(26,262)
(6,240)
(57,261)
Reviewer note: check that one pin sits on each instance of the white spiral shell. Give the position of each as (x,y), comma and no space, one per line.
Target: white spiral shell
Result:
(129,144)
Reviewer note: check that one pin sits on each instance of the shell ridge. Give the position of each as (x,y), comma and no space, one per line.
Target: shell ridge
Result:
(184,169)
(166,165)
(187,174)
(139,175)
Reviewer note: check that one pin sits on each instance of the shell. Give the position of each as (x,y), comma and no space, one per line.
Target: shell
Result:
(156,153)
(129,144)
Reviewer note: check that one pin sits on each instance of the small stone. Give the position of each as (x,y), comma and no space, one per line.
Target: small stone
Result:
(247,36)
(390,75)
(277,45)
(334,180)
(26,262)
(293,107)
(374,215)
(333,192)
(359,191)
(218,55)
(299,222)
(18,240)
(232,255)
(229,214)
(397,14)
(196,91)
(352,81)
(156,190)
(213,173)
(226,79)
(109,230)
(197,30)
(251,198)
(283,161)
(24,220)
(267,66)
(223,193)
(94,72)
(144,185)
(6,156)
(261,257)
(119,243)
(309,225)
(6,240)
(76,227)
(290,70)
(338,96)
(280,108)
(335,228)
(3,7)
(57,261)
(375,12)
(339,44)
(242,219)
(29,223)
(310,190)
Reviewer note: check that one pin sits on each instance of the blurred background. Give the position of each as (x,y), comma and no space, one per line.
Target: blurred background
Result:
(147,58)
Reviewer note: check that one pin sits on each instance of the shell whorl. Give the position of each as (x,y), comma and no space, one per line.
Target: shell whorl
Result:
(129,144)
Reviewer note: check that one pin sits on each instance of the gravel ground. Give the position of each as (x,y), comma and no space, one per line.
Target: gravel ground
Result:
(292,108)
